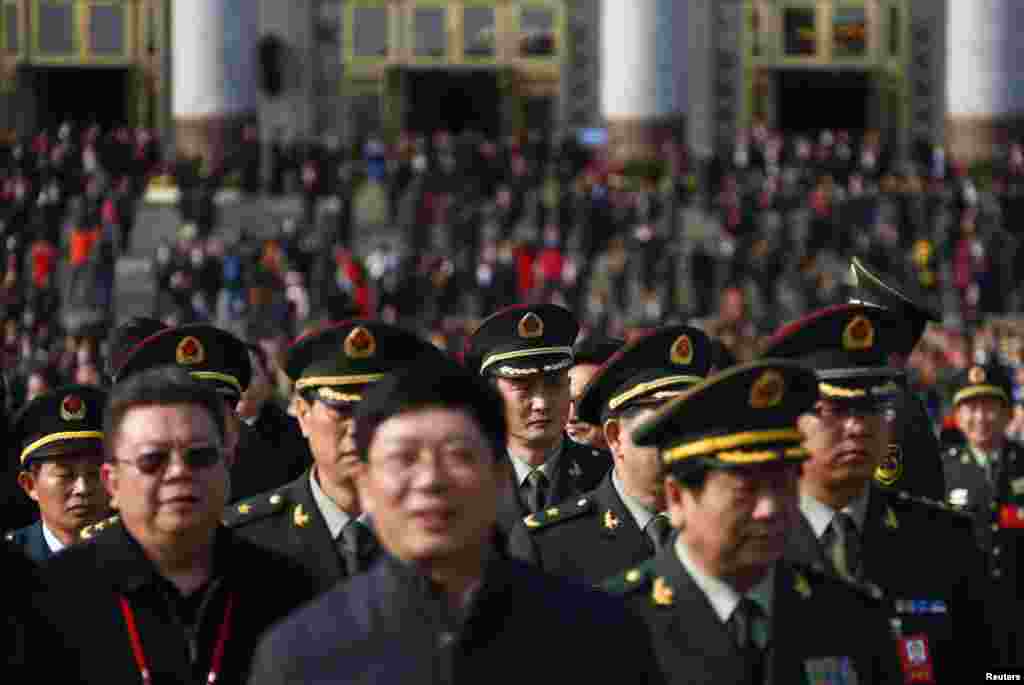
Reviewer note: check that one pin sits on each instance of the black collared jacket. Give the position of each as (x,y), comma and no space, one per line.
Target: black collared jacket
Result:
(31,541)
(590,537)
(84,604)
(387,627)
(818,624)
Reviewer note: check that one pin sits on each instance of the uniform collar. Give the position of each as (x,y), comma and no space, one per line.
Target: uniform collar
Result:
(523,470)
(983,458)
(641,514)
(820,515)
(52,541)
(722,597)
(334,517)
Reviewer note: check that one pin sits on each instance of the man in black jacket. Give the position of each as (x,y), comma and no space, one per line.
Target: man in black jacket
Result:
(442,605)
(166,593)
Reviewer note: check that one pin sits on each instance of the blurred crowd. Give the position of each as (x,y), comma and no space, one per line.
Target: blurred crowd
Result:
(739,242)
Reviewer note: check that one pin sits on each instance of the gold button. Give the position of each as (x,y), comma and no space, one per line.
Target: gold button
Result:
(996,572)
(995,527)
(996,551)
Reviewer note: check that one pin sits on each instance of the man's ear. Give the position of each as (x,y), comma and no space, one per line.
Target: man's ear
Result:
(302,410)
(613,434)
(27,481)
(674,496)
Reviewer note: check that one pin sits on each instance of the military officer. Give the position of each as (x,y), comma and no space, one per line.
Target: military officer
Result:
(59,441)
(526,351)
(588,356)
(985,479)
(317,518)
(622,522)
(722,602)
(914,462)
(859,529)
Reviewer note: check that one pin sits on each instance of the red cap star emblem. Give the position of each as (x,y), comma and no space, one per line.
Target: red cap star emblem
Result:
(859,334)
(767,390)
(72,408)
(190,351)
(360,343)
(681,351)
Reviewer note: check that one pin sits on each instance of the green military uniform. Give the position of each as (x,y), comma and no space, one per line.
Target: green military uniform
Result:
(744,418)
(333,366)
(914,463)
(64,422)
(522,341)
(598,534)
(932,587)
(990,489)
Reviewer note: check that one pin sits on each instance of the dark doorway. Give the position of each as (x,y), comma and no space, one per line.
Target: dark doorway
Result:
(812,100)
(453,100)
(81,95)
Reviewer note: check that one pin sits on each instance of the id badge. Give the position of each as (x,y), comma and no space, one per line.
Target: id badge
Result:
(830,670)
(916,659)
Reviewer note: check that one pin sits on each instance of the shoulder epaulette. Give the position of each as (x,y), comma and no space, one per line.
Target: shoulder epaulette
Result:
(254,508)
(89,532)
(916,499)
(631,580)
(562,511)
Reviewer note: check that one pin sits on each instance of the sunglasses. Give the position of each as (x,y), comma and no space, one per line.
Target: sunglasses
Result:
(155,461)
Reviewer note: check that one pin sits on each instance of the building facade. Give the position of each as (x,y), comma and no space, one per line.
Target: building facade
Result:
(644,70)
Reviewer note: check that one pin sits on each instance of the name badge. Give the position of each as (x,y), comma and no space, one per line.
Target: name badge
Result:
(916,659)
(920,607)
(1017,486)
(830,670)
(1011,516)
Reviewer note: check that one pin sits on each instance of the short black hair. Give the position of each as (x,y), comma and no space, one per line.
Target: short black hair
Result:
(162,385)
(449,387)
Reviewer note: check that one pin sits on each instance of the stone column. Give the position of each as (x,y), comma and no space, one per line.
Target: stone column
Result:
(643,70)
(983,63)
(214,74)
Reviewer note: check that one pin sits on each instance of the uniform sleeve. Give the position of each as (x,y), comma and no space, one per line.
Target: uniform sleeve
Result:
(521,545)
(274,662)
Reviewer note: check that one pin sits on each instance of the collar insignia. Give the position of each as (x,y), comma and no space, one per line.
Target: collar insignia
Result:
(633,575)
(531,326)
(531,521)
(190,351)
(891,522)
(275,499)
(976,375)
(802,586)
(299,517)
(859,334)
(552,512)
(360,344)
(611,521)
(767,390)
(244,508)
(958,497)
(72,408)
(662,593)
(681,351)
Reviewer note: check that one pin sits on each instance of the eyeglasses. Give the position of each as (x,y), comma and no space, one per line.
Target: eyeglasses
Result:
(155,461)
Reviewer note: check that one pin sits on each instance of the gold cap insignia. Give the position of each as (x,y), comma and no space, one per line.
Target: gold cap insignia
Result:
(190,351)
(662,593)
(859,334)
(891,468)
(611,521)
(299,517)
(360,344)
(531,326)
(681,351)
(72,408)
(976,375)
(767,390)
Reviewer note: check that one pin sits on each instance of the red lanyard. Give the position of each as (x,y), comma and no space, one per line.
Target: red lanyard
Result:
(223,633)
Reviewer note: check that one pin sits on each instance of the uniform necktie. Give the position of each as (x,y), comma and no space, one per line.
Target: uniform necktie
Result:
(659,531)
(354,546)
(749,627)
(844,546)
(536,491)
